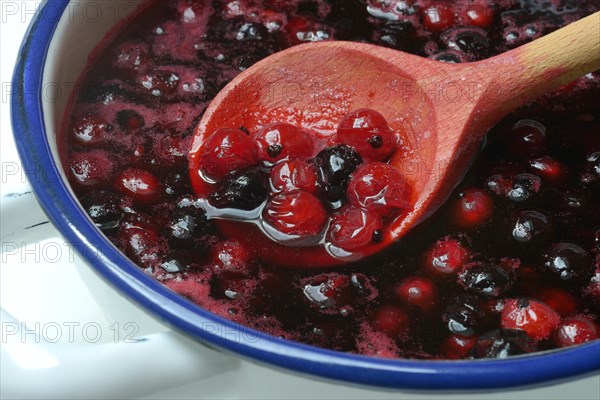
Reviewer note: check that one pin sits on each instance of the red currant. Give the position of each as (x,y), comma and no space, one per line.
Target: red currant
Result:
(353,228)
(438,17)
(293,175)
(296,213)
(537,319)
(280,141)
(447,257)
(391,320)
(90,130)
(473,208)
(576,330)
(418,291)
(368,132)
(141,185)
(225,151)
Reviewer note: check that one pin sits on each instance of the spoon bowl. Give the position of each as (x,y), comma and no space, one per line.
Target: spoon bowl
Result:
(440,112)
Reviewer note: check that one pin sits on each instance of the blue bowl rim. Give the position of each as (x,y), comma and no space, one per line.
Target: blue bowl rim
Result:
(64,211)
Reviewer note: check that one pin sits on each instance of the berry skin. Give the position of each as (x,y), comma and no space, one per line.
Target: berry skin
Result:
(368,132)
(379,188)
(293,175)
(90,130)
(91,169)
(455,347)
(334,167)
(245,190)
(576,330)
(418,291)
(438,17)
(537,319)
(391,320)
(473,208)
(141,185)
(353,228)
(296,213)
(446,258)
(225,151)
(280,141)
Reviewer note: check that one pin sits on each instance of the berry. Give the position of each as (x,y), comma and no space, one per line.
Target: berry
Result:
(281,141)
(380,188)
(171,152)
(527,139)
(455,347)
(446,257)
(225,151)
(90,130)
(560,300)
(178,261)
(229,285)
(329,290)
(524,186)
(245,190)
(91,169)
(231,255)
(104,208)
(566,260)
(130,120)
(368,132)
(502,343)
(141,185)
(530,226)
(418,291)
(353,228)
(186,222)
(160,83)
(463,315)
(391,320)
(481,15)
(438,17)
(296,213)
(473,208)
(293,175)
(473,42)
(139,240)
(547,168)
(576,330)
(537,319)
(334,167)
(486,279)
(302,30)
(591,171)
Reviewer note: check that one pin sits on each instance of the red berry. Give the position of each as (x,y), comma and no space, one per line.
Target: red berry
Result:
(139,240)
(380,188)
(438,17)
(90,130)
(391,320)
(547,168)
(160,83)
(560,300)
(353,228)
(280,141)
(293,175)
(231,255)
(537,319)
(225,151)
(141,185)
(473,208)
(296,213)
(328,291)
(302,30)
(446,257)
(418,291)
(576,330)
(455,347)
(172,151)
(91,169)
(368,132)
(481,15)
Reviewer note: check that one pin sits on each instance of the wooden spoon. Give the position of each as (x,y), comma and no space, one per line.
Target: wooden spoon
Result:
(443,109)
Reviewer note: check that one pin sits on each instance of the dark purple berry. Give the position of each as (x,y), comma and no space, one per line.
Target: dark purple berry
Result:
(104,208)
(334,167)
(244,190)
(463,315)
(524,186)
(487,279)
(567,260)
(530,226)
(502,343)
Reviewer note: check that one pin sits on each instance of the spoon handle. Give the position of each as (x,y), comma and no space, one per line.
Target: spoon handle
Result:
(526,72)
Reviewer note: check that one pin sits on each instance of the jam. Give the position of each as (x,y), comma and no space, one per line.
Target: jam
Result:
(509,265)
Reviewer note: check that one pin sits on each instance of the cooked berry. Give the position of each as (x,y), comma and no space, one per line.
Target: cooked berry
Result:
(293,175)
(479,14)
(525,140)
(329,291)
(186,223)
(130,120)
(524,186)
(530,226)
(368,132)
(576,330)
(438,17)
(474,207)
(447,257)
(225,151)
(531,316)
(472,42)
(334,167)
(380,188)
(591,171)
(455,347)
(463,315)
(296,213)
(91,169)
(141,185)
(419,292)
(503,343)
(352,228)
(400,35)
(567,261)
(90,130)
(390,319)
(229,285)
(547,168)
(232,255)
(560,300)
(280,141)
(486,279)
(140,240)
(104,208)
(244,190)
